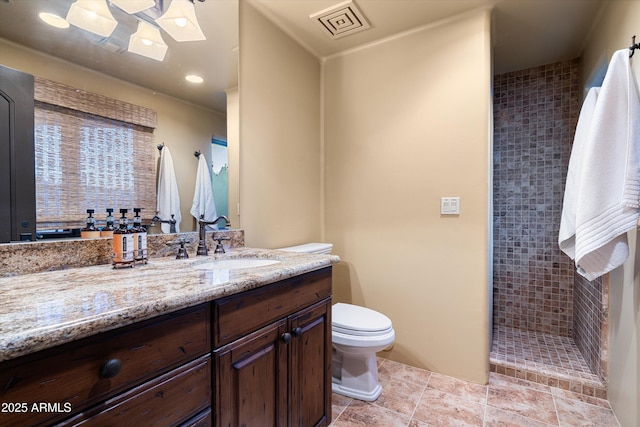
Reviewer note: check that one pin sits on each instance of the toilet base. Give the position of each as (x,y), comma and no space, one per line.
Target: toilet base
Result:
(357,394)
(355,375)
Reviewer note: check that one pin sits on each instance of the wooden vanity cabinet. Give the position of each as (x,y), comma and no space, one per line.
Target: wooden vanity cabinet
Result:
(270,366)
(142,371)
(273,365)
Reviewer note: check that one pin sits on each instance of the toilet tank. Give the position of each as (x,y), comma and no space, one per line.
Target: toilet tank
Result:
(311,248)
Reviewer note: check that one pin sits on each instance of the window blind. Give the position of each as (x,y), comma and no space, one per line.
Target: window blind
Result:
(91,152)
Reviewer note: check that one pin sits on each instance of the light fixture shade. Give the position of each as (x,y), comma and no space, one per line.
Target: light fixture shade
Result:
(148,42)
(133,6)
(180,22)
(93,16)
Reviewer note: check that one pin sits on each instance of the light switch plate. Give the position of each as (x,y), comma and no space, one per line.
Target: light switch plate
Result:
(450,205)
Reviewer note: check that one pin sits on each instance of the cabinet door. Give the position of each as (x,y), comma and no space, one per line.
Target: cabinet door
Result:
(310,366)
(251,379)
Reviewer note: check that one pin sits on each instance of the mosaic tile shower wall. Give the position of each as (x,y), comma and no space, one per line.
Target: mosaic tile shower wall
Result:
(535,114)
(590,330)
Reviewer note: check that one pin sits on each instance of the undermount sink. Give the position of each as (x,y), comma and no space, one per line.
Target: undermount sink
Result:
(235,263)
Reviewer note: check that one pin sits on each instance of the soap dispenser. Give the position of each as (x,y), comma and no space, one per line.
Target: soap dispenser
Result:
(90,231)
(123,243)
(139,238)
(107,231)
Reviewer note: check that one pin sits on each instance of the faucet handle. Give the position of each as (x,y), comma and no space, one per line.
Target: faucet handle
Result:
(182,251)
(219,247)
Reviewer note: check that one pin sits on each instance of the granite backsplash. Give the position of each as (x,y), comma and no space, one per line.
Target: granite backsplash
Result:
(48,255)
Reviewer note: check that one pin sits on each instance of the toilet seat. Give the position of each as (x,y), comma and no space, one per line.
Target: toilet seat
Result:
(357,343)
(354,333)
(360,327)
(360,321)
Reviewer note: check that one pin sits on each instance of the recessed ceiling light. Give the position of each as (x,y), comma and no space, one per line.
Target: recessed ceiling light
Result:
(53,20)
(194,79)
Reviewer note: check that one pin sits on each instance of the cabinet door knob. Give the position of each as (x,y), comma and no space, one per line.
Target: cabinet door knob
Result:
(286,337)
(110,368)
(297,331)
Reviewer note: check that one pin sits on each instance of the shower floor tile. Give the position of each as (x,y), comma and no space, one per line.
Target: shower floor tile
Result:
(542,358)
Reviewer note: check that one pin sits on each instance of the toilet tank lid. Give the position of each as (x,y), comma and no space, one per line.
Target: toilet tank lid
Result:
(357,318)
(310,248)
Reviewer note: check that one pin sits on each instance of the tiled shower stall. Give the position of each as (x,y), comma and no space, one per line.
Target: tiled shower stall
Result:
(548,321)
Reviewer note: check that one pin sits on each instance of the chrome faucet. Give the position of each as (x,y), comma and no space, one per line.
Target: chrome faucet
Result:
(202,243)
(171,221)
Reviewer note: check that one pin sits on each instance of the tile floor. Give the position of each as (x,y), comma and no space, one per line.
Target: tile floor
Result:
(545,359)
(413,397)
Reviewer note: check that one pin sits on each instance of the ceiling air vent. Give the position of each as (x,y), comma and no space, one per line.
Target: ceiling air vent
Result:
(341,19)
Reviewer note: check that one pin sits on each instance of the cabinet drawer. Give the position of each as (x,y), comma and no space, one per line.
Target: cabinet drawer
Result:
(76,374)
(165,401)
(240,314)
(203,419)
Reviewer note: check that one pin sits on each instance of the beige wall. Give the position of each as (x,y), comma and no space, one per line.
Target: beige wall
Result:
(619,21)
(280,134)
(400,130)
(233,144)
(183,127)
(407,122)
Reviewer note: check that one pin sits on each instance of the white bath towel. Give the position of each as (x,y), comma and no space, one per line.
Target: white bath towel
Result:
(203,199)
(567,234)
(168,202)
(608,201)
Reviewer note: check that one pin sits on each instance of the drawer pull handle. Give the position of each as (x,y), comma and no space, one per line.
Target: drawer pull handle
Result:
(110,368)
(297,332)
(286,337)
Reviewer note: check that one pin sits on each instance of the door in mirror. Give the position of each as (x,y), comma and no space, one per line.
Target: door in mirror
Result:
(17,166)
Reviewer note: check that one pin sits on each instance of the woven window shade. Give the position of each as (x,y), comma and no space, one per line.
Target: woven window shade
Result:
(97,159)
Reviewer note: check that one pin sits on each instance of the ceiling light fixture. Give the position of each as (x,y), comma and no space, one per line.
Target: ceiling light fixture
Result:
(193,78)
(93,16)
(148,42)
(133,6)
(180,21)
(53,20)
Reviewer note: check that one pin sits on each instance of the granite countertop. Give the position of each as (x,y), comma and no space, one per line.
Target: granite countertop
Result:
(42,310)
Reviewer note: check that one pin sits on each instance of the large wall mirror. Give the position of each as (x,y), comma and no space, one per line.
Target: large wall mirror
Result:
(189,115)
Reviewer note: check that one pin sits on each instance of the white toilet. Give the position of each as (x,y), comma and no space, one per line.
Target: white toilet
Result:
(357,334)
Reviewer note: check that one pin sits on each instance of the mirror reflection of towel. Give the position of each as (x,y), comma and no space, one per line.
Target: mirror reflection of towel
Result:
(203,199)
(168,202)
